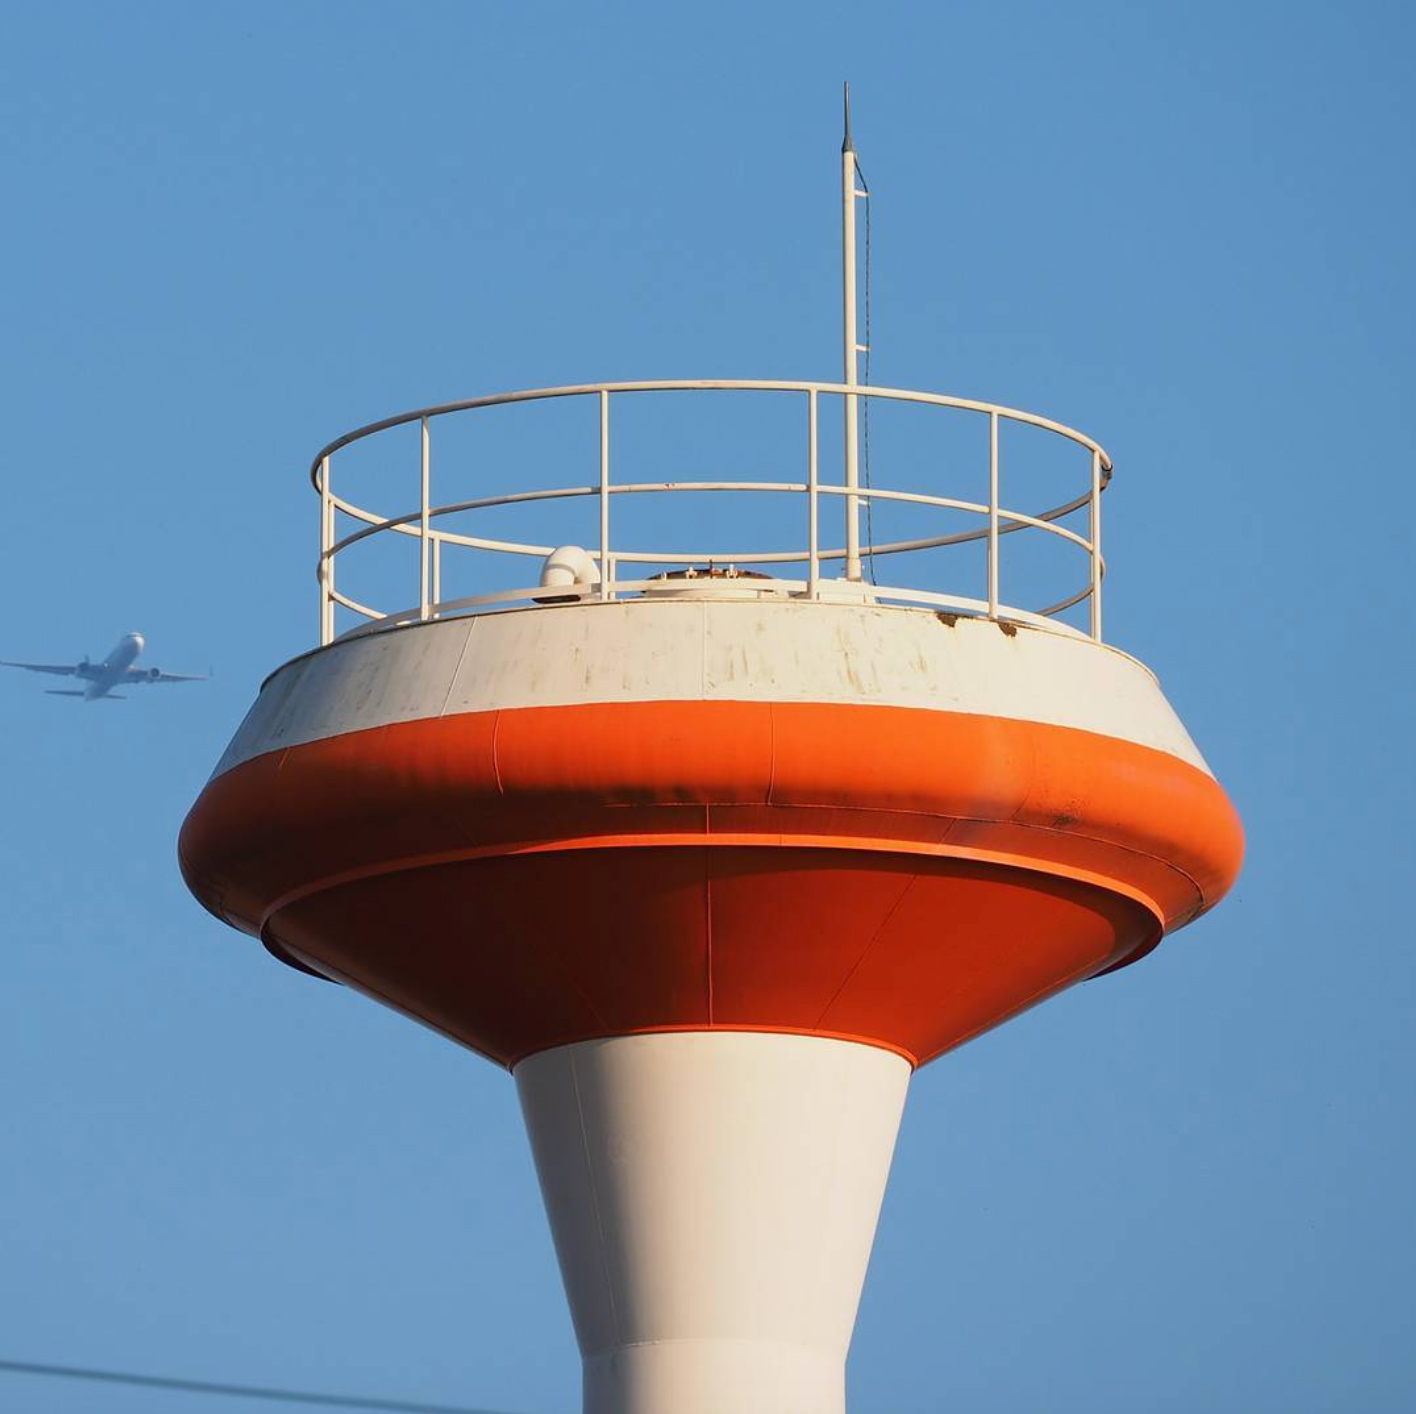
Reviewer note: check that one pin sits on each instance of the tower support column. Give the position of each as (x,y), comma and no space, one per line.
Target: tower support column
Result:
(713,1197)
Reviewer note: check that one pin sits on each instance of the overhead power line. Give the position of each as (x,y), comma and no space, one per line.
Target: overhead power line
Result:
(287,1396)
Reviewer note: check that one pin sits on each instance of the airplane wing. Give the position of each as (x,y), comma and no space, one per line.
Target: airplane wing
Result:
(68,670)
(155,675)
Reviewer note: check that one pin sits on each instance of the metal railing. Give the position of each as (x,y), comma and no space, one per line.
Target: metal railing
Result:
(609,562)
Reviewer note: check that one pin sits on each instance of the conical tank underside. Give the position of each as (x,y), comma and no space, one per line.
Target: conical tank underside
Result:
(884,825)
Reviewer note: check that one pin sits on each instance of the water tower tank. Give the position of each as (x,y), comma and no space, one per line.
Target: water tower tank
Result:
(711,846)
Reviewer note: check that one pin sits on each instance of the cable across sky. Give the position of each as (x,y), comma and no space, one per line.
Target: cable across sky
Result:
(283,1396)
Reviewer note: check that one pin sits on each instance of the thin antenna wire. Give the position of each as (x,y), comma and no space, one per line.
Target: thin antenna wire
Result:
(286,1396)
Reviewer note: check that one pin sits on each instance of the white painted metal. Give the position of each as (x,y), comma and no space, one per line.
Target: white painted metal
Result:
(729,584)
(1046,521)
(326,569)
(713,1198)
(605,590)
(849,376)
(833,591)
(424,538)
(571,566)
(757,385)
(813,551)
(993,515)
(999,520)
(1098,568)
(783,650)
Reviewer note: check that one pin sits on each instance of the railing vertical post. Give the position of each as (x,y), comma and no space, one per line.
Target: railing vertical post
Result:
(993,515)
(1096,547)
(326,575)
(424,544)
(437,570)
(604,494)
(813,554)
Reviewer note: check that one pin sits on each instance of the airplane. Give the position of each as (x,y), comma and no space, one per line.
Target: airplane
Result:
(115,670)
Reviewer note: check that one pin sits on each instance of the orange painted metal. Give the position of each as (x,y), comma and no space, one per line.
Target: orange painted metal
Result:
(526,878)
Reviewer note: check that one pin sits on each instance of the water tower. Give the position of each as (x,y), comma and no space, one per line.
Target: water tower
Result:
(711,858)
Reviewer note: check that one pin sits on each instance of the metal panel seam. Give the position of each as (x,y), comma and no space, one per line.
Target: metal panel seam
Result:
(703,692)
(833,1181)
(708,925)
(771,750)
(594,1195)
(496,764)
(875,1043)
(874,937)
(457,668)
(454,856)
(714,1340)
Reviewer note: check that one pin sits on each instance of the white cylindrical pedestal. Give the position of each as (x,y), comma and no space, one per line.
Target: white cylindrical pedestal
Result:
(713,1197)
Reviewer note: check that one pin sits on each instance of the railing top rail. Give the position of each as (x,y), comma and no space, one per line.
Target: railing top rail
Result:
(745,385)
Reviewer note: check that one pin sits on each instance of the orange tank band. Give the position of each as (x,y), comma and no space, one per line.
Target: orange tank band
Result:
(1025,793)
(902,878)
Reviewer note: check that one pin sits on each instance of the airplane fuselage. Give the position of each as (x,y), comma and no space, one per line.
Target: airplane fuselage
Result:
(103,677)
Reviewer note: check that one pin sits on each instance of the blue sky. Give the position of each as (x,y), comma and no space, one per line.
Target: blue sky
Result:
(234,232)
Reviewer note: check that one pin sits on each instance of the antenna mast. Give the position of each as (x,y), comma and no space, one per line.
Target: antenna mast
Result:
(849,197)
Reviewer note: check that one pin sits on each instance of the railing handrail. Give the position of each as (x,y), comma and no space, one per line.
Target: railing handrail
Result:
(403,524)
(1000,520)
(726,385)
